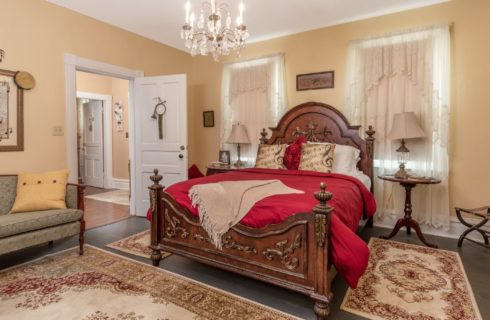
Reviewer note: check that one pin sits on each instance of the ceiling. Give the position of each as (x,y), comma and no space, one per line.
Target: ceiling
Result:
(161,20)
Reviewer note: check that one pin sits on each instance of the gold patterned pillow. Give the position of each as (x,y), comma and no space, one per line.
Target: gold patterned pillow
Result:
(270,156)
(317,157)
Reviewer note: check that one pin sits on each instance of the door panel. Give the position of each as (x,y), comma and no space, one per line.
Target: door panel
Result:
(93,144)
(165,154)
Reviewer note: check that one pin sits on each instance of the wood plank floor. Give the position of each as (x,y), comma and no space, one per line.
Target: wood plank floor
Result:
(476,261)
(100,213)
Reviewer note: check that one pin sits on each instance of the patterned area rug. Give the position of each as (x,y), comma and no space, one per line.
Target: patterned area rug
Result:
(102,285)
(115,196)
(406,281)
(136,244)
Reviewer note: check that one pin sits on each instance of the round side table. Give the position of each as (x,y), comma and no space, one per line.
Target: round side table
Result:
(407,221)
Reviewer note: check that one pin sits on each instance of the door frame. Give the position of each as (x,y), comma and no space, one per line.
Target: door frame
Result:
(106,133)
(73,64)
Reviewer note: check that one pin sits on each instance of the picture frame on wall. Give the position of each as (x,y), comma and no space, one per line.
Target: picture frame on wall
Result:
(314,81)
(11,113)
(224,156)
(208,119)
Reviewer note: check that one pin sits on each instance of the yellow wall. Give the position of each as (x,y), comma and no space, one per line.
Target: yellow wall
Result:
(35,36)
(119,90)
(326,49)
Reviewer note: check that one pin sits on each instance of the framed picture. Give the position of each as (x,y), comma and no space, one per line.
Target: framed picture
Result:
(208,119)
(313,81)
(224,156)
(11,113)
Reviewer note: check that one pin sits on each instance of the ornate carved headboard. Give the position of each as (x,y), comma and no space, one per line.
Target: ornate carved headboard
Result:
(319,122)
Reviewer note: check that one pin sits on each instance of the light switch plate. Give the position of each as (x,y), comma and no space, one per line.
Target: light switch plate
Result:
(58,131)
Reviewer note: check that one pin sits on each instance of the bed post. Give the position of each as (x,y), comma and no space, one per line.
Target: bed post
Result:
(155,201)
(370,156)
(322,212)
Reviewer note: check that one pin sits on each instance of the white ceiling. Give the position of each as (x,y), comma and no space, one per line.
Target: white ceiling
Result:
(161,20)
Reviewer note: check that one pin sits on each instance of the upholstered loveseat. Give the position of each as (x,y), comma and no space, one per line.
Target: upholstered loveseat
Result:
(26,229)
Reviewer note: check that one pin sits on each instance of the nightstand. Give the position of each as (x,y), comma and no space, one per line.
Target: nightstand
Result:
(215,170)
(407,221)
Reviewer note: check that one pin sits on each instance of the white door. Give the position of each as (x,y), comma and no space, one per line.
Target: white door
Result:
(93,144)
(160,102)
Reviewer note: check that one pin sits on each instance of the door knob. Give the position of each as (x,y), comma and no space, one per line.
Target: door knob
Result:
(181,156)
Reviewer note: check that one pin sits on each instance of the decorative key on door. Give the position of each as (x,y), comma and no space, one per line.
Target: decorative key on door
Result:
(158,113)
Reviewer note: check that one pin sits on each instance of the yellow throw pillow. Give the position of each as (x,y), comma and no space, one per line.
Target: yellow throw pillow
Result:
(317,157)
(41,191)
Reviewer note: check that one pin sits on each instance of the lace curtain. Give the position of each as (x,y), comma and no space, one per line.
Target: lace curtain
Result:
(408,71)
(253,94)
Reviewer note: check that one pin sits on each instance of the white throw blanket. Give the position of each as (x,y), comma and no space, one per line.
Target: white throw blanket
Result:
(223,204)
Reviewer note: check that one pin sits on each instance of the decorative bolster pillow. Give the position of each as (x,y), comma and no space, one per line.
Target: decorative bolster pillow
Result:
(292,157)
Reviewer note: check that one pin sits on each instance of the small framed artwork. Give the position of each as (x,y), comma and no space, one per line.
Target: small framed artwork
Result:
(224,156)
(208,119)
(313,81)
(11,113)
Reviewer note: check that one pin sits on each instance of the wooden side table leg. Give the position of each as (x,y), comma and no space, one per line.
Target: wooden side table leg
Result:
(400,223)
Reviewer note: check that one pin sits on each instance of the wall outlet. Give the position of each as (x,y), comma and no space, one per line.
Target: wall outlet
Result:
(58,131)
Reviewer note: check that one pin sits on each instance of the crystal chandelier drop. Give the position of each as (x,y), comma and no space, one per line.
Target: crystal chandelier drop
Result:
(214,34)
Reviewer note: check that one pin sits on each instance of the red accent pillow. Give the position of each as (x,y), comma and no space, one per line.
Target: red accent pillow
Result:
(292,157)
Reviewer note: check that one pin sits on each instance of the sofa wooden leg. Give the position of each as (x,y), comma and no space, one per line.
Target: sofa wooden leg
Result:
(156,257)
(81,237)
(322,310)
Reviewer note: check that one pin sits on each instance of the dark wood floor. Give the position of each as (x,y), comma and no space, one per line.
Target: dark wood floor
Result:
(100,213)
(476,261)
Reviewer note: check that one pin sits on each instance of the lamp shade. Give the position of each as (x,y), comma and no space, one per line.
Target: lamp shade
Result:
(405,126)
(238,134)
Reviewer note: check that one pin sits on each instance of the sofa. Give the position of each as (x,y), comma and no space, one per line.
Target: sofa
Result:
(26,229)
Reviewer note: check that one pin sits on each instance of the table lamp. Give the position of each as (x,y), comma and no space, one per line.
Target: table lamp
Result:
(238,135)
(404,126)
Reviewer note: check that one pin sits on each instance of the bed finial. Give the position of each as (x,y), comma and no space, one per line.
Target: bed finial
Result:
(263,139)
(156,178)
(323,195)
(370,141)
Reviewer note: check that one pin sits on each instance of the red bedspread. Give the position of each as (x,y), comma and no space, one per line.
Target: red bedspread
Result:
(350,200)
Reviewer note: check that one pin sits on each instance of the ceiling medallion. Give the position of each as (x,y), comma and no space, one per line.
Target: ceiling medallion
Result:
(215,34)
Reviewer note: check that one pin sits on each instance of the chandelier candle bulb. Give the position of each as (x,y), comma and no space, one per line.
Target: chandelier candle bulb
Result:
(187,11)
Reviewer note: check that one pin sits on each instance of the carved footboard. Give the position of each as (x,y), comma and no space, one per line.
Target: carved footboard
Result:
(292,254)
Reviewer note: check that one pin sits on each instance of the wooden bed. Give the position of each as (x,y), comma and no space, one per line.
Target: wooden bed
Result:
(292,254)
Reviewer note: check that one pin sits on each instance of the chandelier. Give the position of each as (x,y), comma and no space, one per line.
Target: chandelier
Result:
(214,34)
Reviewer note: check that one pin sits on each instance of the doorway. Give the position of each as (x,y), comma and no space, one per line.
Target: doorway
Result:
(103,146)
(153,143)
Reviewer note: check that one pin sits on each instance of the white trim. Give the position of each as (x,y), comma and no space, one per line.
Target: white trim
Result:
(120,183)
(72,64)
(456,228)
(107,134)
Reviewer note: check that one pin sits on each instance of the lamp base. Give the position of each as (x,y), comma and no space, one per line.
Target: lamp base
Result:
(239,163)
(401,173)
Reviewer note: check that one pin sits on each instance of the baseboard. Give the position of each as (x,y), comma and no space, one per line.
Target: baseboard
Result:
(120,184)
(456,228)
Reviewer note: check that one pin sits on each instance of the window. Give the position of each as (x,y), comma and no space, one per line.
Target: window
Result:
(252,94)
(408,71)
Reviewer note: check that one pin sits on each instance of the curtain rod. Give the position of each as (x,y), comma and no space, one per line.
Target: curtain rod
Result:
(397,33)
(254,58)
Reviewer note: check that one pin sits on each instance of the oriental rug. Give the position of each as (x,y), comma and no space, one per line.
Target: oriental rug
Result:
(102,285)
(405,281)
(136,244)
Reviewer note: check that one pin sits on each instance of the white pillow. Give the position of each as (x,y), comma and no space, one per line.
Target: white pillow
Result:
(345,158)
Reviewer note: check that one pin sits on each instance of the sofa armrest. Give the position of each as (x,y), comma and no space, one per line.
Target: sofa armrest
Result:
(74,196)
